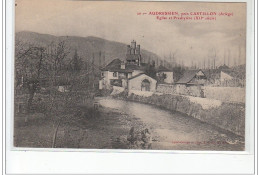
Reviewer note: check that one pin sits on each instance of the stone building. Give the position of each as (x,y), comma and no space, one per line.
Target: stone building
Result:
(120,73)
(191,83)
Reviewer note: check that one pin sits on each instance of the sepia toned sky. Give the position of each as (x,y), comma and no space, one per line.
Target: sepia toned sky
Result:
(190,41)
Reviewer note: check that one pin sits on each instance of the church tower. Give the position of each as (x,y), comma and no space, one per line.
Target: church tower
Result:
(133,54)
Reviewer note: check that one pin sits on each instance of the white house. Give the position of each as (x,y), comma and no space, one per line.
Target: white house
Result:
(142,82)
(166,74)
(120,73)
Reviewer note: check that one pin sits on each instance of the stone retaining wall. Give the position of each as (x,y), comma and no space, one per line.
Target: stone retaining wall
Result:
(226,115)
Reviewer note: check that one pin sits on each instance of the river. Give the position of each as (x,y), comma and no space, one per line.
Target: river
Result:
(175,130)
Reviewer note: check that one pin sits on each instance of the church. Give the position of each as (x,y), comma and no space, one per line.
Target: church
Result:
(128,73)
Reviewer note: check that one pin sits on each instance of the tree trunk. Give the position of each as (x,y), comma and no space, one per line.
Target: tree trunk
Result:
(30,100)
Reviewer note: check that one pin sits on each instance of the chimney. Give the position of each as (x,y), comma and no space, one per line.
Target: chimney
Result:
(122,65)
(138,50)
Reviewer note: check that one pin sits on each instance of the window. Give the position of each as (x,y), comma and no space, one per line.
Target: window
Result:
(115,74)
(102,74)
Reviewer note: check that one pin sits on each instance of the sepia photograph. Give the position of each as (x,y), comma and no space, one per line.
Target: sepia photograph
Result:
(131,75)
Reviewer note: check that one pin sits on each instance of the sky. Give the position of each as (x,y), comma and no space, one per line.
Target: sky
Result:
(190,41)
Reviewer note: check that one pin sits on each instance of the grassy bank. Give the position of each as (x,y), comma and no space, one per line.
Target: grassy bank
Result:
(78,125)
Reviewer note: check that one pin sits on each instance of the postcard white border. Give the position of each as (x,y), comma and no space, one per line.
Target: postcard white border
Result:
(43,161)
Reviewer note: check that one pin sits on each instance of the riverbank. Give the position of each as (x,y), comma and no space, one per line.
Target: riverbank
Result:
(177,131)
(118,124)
(80,127)
(226,115)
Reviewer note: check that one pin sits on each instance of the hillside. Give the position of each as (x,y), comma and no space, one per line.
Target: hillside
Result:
(86,46)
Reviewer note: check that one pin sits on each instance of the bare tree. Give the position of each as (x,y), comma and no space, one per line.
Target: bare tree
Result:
(56,56)
(29,66)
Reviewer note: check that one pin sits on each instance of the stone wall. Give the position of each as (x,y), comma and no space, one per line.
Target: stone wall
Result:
(180,89)
(225,94)
(228,116)
(166,88)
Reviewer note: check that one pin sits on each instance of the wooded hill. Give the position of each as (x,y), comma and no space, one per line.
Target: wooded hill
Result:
(87,47)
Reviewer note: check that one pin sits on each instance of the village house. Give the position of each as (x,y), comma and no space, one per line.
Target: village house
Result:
(129,74)
(191,82)
(192,77)
(232,78)
(223,67)
(225,76)
(165,75)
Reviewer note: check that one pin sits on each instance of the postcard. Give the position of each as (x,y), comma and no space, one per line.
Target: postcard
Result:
(130,75)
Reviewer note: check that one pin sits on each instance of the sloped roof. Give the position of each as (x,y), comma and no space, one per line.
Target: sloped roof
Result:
(213,73)
(136,76)
(162,69)
(115,65)
(234,74)
(140,75)
(135,67)
(223,67)
(187,76)
(229,72)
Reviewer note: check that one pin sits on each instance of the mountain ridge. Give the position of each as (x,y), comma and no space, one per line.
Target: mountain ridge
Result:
(87,47)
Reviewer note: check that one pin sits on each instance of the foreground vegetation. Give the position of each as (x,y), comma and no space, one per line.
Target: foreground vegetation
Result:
(72,121)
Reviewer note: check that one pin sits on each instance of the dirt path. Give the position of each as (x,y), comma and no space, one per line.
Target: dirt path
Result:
(175,130)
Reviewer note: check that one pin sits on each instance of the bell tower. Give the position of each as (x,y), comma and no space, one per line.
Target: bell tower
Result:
(133,54)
